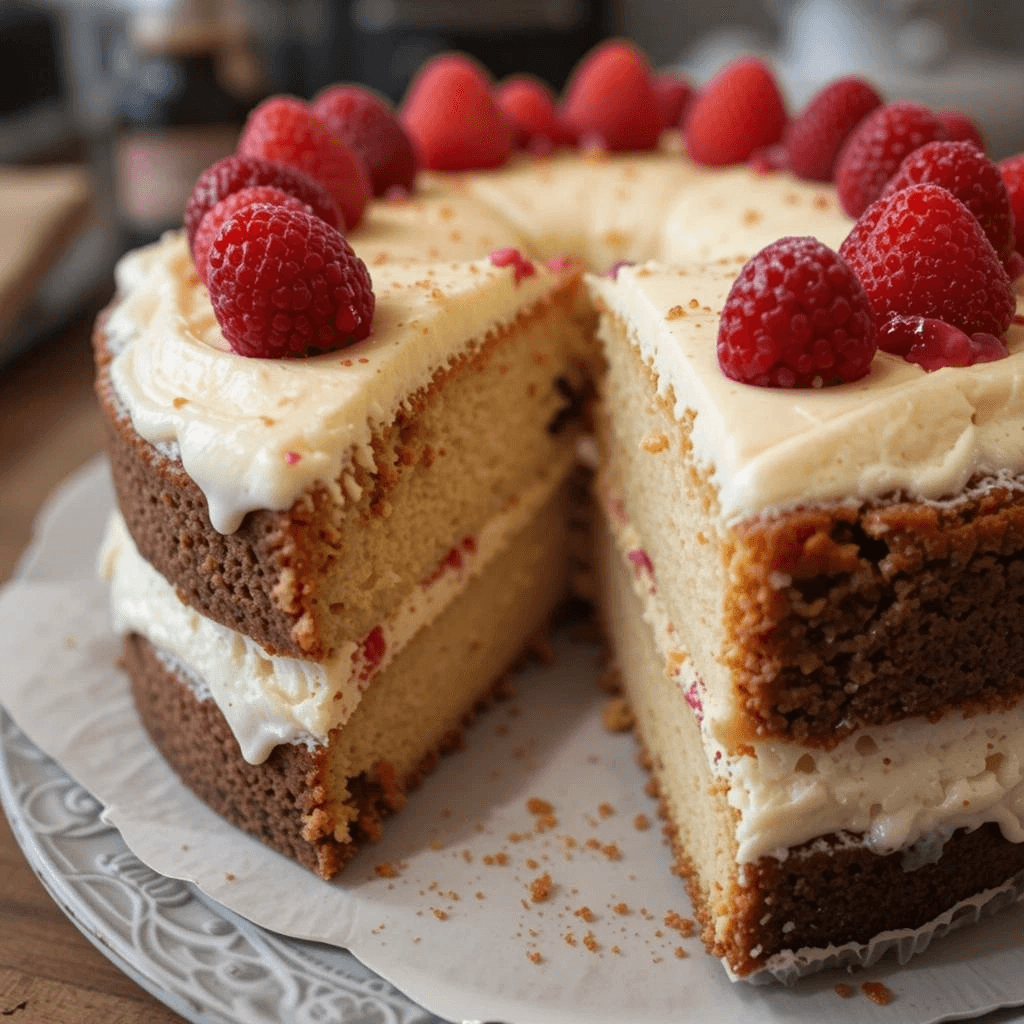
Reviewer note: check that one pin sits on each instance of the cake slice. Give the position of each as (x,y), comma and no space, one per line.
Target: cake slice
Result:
(813,598)
(330,561)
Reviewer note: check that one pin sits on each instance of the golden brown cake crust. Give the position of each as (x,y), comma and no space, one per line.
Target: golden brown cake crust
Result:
(845,617)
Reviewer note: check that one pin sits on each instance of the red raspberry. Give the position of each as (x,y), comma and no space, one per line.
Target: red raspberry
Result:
(933,344)
(232,173)
(961,128)
(1012,171)
(611,99)
(965,171)
(816,135)
(675,94)
(739,111)
(921,252)
(368,126)
(227,208)
(796,317)
(452,118)
(877,147)
(283,283)
(530,105)
(284,130)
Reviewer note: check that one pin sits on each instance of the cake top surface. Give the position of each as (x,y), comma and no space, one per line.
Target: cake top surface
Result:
(239,423)
(899,429)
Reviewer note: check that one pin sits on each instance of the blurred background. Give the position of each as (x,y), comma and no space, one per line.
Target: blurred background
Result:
(111,108)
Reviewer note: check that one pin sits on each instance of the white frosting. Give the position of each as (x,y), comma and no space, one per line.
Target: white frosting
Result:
(240,423)
(899,429)
(911,782)
(268,699)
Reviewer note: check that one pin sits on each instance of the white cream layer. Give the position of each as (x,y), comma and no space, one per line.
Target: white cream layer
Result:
(268,699)
(898,430)
(906,786)
(257,433)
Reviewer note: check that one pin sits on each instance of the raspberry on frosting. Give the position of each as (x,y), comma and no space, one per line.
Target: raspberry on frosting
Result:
(965,171)
(920,252)
(367,125)
(877,147)
(961,128)
(530,105)
(233,173)
(796,317)
(611,100)
(675,94)
(286,131)
(739,111)
(1012,171)
(816,135)
(283,284)
(452,117)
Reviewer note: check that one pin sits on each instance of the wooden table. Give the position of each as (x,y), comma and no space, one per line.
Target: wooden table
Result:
(49,425)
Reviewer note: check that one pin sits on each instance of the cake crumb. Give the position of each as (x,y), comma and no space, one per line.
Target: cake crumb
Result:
(230,877)
(441,915)
(878,993)
(675,313)
(178,402)
(385,869)
(616,950)
(532,864)
(500,858)
(680,953)
(655,442)
(606,810)
(570,939)
(545,823)
(479,895)
(590,941)
(641,823)
(585,914)
(534,957)
(535,805)
(541,888)
(621,908)
(684,925)
(612,851)
(617,715)
(845,991)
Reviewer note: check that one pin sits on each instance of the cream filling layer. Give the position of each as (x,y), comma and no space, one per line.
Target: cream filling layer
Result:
(901,787)
(897,430)
(257,433)
(268,699)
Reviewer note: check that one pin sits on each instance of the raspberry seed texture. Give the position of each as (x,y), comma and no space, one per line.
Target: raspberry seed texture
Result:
(796,317)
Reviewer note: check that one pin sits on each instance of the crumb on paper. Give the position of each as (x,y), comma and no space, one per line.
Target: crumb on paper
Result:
(545,823)
(500,858)
(534,957)
(230,877)
(878,993)
(385,869)
(532,864)
(680,953)
(585,914)
(684,925)
(570,938)
(606,810)
(612,851)
(441,915)
(535,805)
(590,941)
(541,888)
(617,715)
(616,950)
(845,991)
(622,909)
(641,823)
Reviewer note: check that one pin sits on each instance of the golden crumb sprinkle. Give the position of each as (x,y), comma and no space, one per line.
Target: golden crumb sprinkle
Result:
(675,313)
(878,993)
(534,957)
(651,787)
(532,864)
(684,925)
(479,895)
(694,304)
(179,402)
(385,869)
(585,914)
(541,888)
(590,941)
(751,217)
(680,953)
(570,939)
(545,823)
(605,810)
(612,851)
(616,950)
(441,915)
(617,715)
(641,823)
(535,805)
(621,908)
(593,844)
(845,991)
(229,877)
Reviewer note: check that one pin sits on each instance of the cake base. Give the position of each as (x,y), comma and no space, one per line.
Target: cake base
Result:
(317,803)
